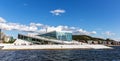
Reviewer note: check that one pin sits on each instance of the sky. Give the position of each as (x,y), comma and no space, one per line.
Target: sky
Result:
(97,18)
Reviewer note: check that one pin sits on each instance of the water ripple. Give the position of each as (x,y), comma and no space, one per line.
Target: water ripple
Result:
(61,55)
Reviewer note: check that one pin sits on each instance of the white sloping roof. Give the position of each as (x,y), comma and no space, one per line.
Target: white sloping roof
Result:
(19,41)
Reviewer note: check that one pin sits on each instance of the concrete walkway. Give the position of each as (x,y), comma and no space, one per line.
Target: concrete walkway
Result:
(24,47)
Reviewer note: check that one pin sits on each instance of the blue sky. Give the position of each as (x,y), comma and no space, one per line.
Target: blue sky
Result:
(102,17)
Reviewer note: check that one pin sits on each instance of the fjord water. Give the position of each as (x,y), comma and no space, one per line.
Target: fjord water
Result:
(61,55)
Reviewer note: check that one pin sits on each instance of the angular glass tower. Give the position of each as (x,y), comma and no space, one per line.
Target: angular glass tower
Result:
(59,35)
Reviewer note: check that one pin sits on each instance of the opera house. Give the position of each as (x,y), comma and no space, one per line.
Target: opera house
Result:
(53,37)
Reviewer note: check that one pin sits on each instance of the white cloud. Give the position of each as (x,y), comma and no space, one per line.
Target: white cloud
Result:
(2,20)
(57,12)
(108,33)
(83,32)
(38,25)
(16,26)
(41,28)
(42,31)
(5,26)
(74,30)
(93,32)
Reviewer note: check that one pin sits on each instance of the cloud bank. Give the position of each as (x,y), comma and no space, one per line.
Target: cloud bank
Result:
(41,28)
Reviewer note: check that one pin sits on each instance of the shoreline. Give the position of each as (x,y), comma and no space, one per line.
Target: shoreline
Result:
(112,45)
(53,47)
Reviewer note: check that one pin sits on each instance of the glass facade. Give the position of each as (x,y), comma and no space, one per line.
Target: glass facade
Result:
(66,36)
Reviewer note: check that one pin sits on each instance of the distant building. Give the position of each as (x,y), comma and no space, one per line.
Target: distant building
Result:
(7,38)
(89,41)
(2,37)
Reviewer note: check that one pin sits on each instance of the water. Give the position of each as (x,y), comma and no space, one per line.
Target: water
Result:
(61,55)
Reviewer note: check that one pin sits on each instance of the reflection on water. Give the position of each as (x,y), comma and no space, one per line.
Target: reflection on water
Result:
(61,55)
